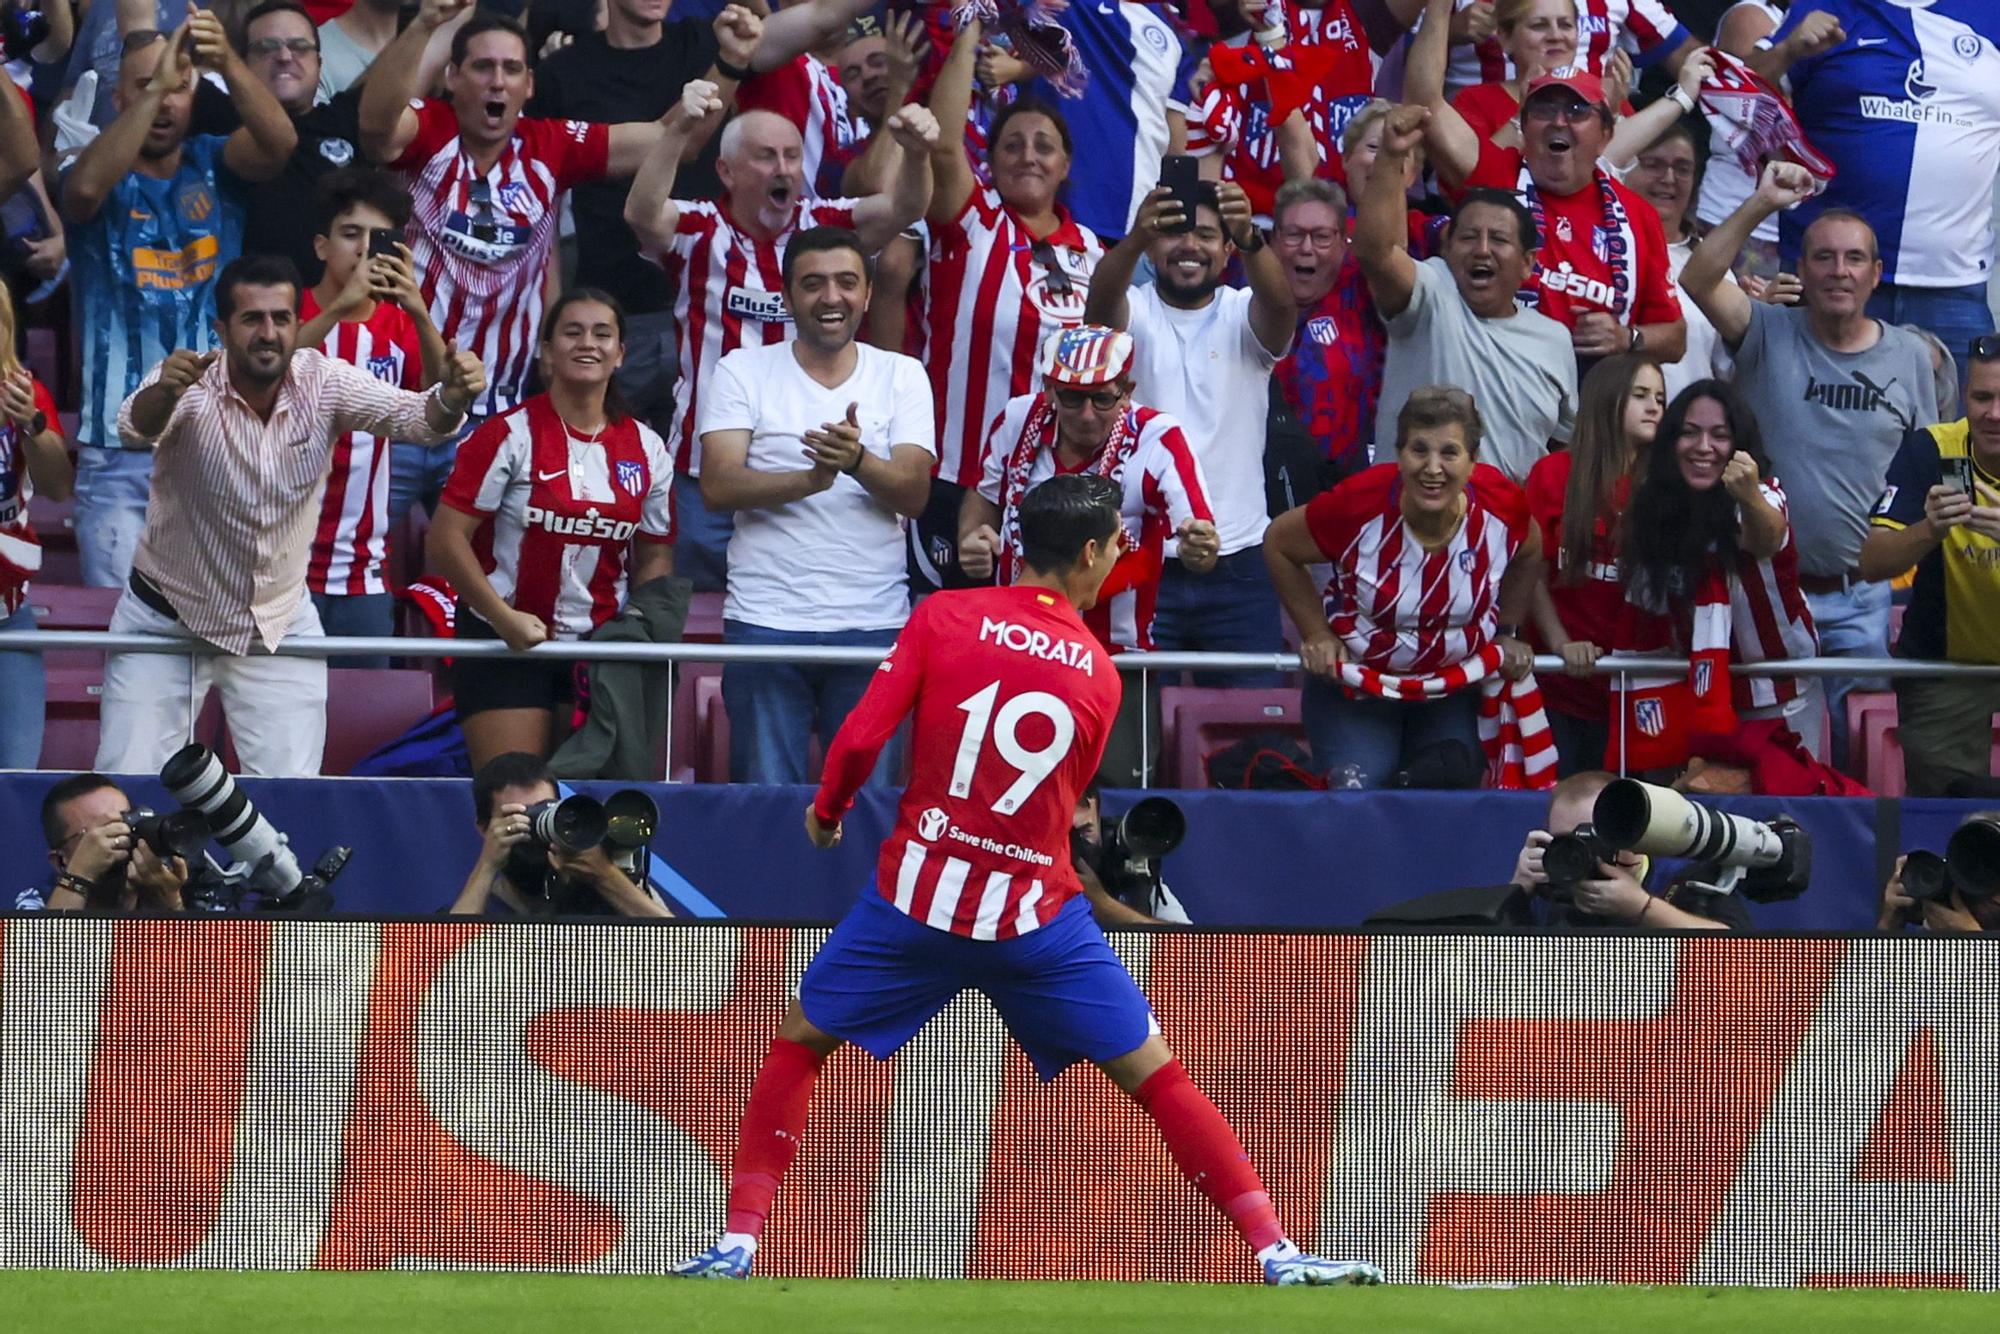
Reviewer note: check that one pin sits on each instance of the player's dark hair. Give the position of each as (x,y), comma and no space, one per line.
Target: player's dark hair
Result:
(1494,198)
(65,791)
(342,190)
(1029,106)
(1062,514)
(265,10)
(485,21)
(615,406)
(817,240)
(253,271)
(1671,531)
(516,768)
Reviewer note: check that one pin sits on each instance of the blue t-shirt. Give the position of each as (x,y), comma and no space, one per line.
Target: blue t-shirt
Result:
(1138,66)
(1908,108)
(143,275)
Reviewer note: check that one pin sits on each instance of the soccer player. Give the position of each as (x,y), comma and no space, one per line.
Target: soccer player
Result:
(1013,698)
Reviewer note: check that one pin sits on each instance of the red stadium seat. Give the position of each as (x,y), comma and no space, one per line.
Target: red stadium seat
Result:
(54,522)
(711,727)
(1861,705)
(71,607)
(685,735)
(368,706)
(1197,720)
(704,619)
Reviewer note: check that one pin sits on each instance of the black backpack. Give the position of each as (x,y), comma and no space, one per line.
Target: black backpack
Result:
(1264,762)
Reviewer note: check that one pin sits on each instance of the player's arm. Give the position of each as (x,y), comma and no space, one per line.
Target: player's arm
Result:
(887,701)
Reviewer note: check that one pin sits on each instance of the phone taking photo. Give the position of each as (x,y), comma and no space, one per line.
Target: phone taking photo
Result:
(383,241)
(1958,475)
(1181,175)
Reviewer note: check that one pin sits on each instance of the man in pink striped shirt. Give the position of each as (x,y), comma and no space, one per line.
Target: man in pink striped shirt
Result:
(728,255)
(243,440)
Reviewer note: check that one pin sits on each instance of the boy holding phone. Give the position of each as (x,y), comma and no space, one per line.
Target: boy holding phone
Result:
(366,310)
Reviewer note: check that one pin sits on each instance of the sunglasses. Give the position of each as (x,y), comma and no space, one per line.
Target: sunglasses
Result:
(1102,399)
(1548,109)
(270,46)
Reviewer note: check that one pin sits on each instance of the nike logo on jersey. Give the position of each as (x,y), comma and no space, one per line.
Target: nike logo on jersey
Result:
(1871,41)
(551,476)
(1037,644)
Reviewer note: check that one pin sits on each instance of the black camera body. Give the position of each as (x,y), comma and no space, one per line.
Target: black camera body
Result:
(1971,864)
(1573,858)
(623,825)
(1127,859)
(181,834)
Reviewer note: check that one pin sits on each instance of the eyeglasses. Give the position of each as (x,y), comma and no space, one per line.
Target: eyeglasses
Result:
(1320,238)
(1548,109)
(1680,171)
(270,46)
(1103,399)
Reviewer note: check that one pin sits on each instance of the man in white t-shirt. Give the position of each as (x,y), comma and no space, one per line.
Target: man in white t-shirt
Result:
(823,447)
(1205,355)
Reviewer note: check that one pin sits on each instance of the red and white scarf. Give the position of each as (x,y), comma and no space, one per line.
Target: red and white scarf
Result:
(1756,120)
(1657,722)
(1612,240)
(1038,433)
(1513,727)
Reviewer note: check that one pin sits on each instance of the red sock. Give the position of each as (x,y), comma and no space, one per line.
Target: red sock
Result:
(768,1139)
(1209,1154)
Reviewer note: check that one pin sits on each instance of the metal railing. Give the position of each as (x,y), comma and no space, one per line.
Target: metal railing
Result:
(1144,665)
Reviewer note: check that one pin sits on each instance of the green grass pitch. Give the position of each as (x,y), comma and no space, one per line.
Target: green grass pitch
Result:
(136,1302)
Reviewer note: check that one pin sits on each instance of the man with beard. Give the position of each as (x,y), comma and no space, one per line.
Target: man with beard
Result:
(822,446)
(244,439)
(1205,356)
(725,253)
(1602,267)
(1457,318)
(154,213)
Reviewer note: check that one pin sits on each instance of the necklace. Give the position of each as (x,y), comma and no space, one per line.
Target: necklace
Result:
(590,439)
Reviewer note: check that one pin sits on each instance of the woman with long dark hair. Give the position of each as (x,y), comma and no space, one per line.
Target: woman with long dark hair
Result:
(1706,515)
(552,511)
(1577,498)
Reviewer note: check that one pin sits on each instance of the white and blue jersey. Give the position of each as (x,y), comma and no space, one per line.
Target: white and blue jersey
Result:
(1138,68)
(143,276)
(1908,108)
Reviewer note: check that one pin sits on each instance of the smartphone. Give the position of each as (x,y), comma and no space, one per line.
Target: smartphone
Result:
(1958,474)
(1181,174)
(383,241)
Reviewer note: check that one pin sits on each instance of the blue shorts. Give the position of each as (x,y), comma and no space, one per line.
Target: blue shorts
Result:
(1062,992)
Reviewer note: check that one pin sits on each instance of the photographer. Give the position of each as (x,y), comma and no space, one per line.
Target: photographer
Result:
(517,877)
(1616,898)
(1945,905)
(1117,897)
(100,866)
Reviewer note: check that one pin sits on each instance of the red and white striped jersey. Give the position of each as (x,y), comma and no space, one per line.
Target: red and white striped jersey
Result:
(1149,457)
(1641,25)
(1769,620)
(1397,607)
(562,510)
(482,244)
(20,548)
(1013,700)
(729,293)
(808,94)
(994,295)
(352,540)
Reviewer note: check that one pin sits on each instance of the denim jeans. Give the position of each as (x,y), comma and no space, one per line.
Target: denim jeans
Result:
(1231,609)
(1380,736)
(1957,315)
(775,708)
(1853,623)
(701,537)
(419,472)
(111,490)
(652,365)
(23,699)
(372,615)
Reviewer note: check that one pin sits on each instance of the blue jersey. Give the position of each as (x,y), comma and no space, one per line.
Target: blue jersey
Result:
(1138,68)
(143,276)
(1908,108)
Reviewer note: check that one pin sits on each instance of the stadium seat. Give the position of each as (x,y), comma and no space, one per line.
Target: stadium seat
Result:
(1197,720)
(368,706)
(684,736)
(704,619)
(69,729)
(54,522)
(405,560)
(711,730)
(1861,704)
(71,607)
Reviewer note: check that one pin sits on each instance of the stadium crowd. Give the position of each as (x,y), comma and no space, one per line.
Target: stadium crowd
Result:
(1448,333)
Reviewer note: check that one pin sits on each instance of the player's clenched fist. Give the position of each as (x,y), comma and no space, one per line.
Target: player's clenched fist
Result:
(822,835)
(182,368)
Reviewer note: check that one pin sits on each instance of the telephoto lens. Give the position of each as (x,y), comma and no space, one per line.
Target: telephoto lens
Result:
(1153,828)
(570,824)
(1925,877)
(196,778)
(631,819)
(1974,857)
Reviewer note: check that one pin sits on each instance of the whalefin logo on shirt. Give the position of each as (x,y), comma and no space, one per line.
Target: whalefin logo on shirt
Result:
(1918,104)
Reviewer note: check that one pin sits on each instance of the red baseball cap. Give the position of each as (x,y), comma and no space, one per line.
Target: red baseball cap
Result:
(1579,81)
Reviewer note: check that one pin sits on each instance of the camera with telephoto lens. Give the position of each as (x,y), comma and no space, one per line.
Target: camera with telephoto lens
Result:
(181,834)
(265,871)
(1572,858)
(1971,864)
(22,29)
(1127,859)
(1765,861)
(623,824)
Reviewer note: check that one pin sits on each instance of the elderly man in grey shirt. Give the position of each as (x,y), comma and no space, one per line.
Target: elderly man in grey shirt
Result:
(1834,391)
(1457,319)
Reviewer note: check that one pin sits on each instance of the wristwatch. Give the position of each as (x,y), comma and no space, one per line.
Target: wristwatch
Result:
(38,423)
(1679,97)
(1638,340)
(1256,241)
